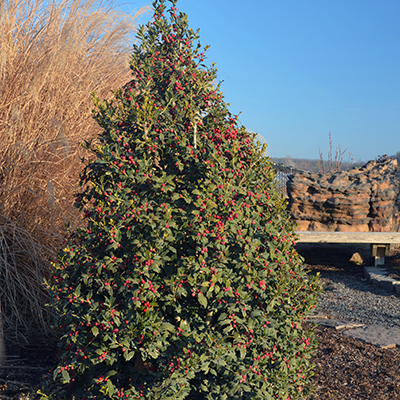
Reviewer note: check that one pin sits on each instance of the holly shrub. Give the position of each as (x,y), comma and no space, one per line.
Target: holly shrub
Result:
(185,282)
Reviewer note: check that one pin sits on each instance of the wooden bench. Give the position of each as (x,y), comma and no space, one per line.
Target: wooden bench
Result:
(380,241)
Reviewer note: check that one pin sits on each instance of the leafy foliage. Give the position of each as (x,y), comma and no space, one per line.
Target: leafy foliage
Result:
(185,282)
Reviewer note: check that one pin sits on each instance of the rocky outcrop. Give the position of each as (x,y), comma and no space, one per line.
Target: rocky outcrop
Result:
(365,199)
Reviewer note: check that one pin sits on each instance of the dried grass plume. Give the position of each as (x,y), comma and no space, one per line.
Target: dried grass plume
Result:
(53,56)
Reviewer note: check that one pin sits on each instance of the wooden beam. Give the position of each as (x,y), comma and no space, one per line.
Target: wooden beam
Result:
(348,237)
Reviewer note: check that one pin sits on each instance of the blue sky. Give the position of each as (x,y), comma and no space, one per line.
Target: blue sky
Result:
(297,69)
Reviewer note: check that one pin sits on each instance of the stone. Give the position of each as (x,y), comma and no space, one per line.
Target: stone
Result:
(302,225)
(356,259)
(380,336)
(365,199)
(396,287)
(378,276)
(356,227)
(338,324)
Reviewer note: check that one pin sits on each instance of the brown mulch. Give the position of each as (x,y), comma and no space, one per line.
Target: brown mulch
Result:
(346,368)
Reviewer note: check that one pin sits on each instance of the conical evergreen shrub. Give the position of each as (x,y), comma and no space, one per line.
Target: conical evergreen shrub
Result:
(185,282)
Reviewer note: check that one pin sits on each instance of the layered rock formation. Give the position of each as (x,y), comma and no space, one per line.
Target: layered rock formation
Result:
(365,199)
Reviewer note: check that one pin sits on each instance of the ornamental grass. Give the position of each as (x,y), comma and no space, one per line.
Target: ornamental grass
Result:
(53,55)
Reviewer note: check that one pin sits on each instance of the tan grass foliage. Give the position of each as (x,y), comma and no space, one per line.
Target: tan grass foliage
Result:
(53,56)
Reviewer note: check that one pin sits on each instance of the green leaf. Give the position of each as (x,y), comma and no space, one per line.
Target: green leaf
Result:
(77,291)
(246,388)
(56,372)
(250,324)
(65,376)
(128,355)
(111,387)
(202,300)
(110,373)
(205,367)
(228,329)
(167,327)
(256,313)
(175,196)
(95,330)
(242,351)
(222,317)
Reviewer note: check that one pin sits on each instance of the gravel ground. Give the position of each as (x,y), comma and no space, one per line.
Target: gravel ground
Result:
(347,295)
(347,368)
(351,298)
